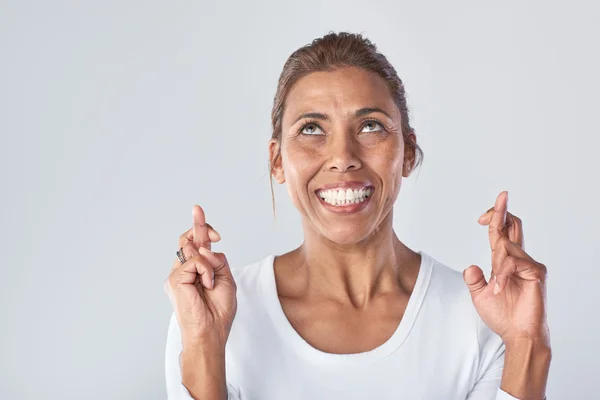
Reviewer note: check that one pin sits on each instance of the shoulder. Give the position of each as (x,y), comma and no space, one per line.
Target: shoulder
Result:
(255,295)
(248,273)
(461,334)
(252,279)
(446,283)
(450,296)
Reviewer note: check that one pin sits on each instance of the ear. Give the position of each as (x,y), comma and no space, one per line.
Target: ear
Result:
(409,156)
(275,161)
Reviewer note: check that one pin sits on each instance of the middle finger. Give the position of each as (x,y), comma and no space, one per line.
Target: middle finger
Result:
(504,248)
(189,251)
(188,236)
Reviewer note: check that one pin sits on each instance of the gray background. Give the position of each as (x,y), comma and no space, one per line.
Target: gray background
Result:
(117,116)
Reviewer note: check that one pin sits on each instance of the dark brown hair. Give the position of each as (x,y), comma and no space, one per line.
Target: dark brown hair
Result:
(343,49)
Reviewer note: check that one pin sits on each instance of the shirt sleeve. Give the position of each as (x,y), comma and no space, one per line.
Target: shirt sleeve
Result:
(502,395)
(175,389)
(491,365)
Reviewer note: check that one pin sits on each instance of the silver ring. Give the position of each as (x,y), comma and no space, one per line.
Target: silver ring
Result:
(181,256)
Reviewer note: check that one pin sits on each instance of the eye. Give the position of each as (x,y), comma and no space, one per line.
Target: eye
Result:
(372,122)
(310,124)
(314,127)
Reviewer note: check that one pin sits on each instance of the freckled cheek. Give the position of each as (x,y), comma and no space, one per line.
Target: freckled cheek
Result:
(300,166)
(304,159)
(388,165)
(372,142)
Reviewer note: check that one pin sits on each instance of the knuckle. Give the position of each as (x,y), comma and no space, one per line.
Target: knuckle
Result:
(183,238)
(197,259)
(509,260)
(508,264)
(200,262)
(206,245)
(189,248)
(170,282)
(503,241)
(505,263)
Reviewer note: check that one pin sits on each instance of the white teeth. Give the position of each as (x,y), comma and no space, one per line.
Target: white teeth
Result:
(349,194)
(345,196)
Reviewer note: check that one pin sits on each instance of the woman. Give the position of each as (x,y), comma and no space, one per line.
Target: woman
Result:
(353,313)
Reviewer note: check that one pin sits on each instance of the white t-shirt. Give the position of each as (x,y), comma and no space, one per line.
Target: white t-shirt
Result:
(440,350)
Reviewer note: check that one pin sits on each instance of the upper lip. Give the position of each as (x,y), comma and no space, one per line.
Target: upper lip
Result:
(345,185)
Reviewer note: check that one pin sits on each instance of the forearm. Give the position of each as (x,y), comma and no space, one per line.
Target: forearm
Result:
(203,370)
(526,367)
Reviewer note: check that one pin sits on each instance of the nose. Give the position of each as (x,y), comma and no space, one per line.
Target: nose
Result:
(342,151)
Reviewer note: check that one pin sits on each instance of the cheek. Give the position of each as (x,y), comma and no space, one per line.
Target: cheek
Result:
(375,141)
(388,162)
(299,166)
(301,160)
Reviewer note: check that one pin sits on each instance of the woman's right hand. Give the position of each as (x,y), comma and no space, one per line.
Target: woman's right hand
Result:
(204,312)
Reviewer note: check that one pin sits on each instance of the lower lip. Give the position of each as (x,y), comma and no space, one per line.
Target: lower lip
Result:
(348,208)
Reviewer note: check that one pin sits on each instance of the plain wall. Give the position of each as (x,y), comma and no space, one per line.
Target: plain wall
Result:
(117,116)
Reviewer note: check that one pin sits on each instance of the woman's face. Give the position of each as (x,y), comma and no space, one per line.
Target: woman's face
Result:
(343,165)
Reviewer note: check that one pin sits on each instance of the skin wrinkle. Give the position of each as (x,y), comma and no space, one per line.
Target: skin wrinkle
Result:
(355,258)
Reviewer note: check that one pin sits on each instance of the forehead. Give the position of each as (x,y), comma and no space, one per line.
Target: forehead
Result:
(341,91)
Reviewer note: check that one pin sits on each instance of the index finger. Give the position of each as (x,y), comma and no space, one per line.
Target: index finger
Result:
(200,230)
(497,224)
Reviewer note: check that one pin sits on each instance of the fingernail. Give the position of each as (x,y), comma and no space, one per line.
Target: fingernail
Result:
(496,286)
(212,285)
(482,215)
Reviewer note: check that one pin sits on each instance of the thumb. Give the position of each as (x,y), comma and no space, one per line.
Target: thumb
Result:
(474,278)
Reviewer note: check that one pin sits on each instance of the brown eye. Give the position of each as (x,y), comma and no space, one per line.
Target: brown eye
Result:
(310,125)
(373,124)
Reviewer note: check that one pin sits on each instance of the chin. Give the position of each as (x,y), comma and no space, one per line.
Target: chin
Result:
(346,236)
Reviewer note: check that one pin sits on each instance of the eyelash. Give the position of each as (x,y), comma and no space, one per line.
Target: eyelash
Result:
(314,122)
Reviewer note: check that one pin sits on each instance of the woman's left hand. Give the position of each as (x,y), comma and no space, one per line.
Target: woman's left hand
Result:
(513,303)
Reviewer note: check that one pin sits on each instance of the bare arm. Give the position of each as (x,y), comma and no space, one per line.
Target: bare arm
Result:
(203,370)
(526,367)
(202,290)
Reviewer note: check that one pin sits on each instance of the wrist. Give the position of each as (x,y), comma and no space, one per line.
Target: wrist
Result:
(203,370)
(526,367)
(539,337)
(539,345)
(209,342)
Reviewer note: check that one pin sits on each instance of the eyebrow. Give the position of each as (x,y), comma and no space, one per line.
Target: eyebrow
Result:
(357,114)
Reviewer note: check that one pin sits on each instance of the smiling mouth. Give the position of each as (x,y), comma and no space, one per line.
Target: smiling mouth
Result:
(345,197)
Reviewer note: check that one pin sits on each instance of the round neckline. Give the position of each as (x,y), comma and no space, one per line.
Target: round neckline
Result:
(290,336)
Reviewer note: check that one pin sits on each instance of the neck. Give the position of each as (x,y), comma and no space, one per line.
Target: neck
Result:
(356,273)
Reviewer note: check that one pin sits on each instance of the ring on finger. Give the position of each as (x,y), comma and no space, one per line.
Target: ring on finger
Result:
(181,256)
